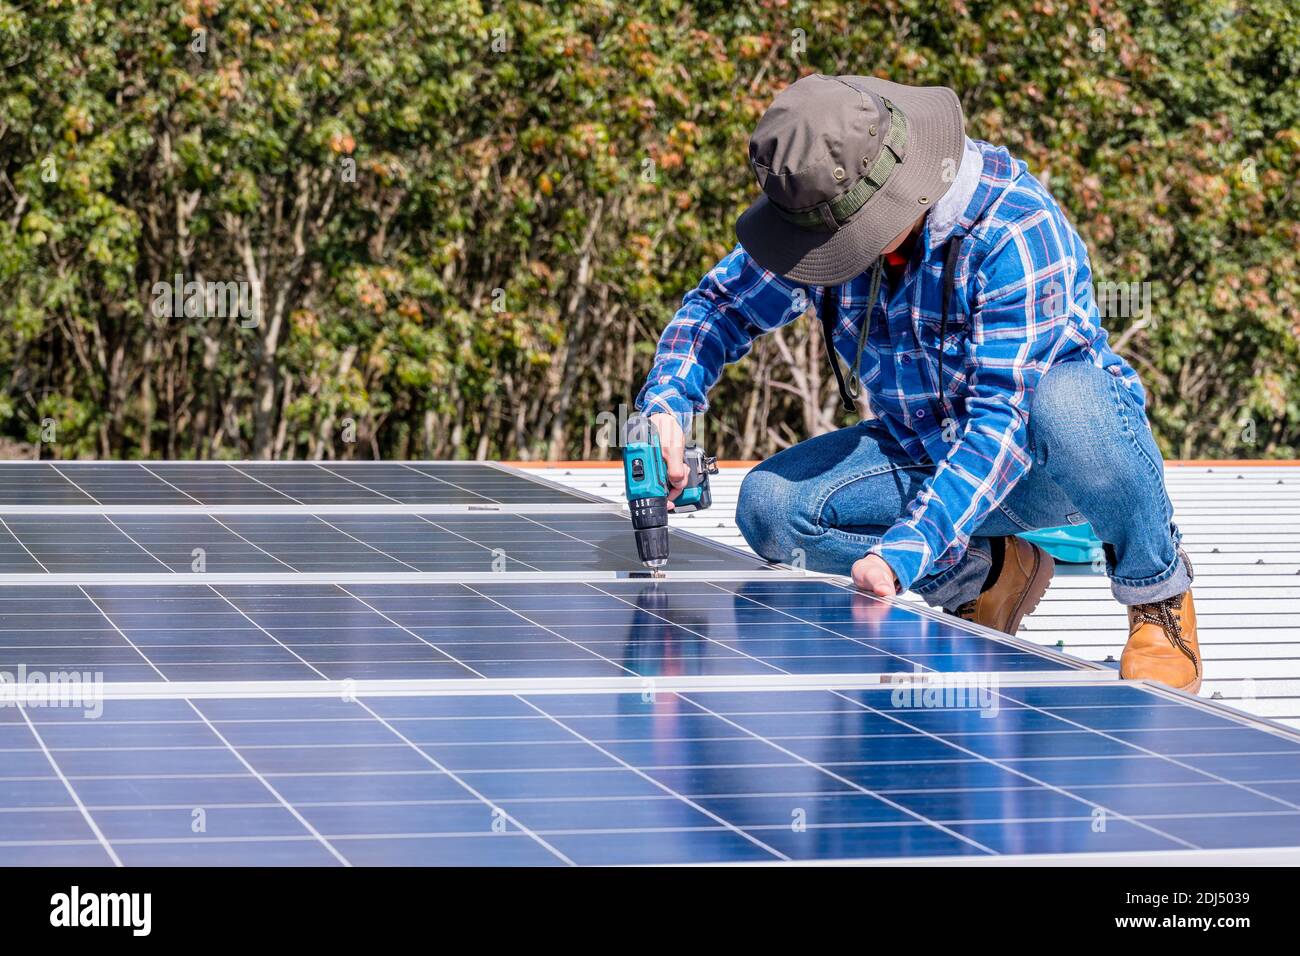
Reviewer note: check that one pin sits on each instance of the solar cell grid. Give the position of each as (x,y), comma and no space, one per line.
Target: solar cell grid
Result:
(619,778)
(37,483)
(398,543)
(275,483)
(506,630)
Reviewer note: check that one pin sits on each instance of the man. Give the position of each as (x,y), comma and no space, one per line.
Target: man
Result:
(961,298)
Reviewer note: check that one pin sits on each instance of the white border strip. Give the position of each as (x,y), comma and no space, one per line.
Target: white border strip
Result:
(498,686)
(510,686)
(388,508)
(179,578)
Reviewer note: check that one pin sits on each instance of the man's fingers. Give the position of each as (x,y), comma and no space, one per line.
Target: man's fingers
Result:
(877,584)
(677,471)
(882,578)
(874,575)
(675,459)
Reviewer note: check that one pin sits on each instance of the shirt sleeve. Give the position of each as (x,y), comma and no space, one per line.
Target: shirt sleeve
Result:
(717,323)
(1021,309)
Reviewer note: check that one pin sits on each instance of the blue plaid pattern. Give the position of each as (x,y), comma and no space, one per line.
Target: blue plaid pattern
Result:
(1023,302)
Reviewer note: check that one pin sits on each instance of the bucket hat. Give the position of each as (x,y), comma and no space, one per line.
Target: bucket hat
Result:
(846,164)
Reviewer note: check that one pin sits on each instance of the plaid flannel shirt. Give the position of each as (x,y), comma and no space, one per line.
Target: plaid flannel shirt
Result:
(1023,302)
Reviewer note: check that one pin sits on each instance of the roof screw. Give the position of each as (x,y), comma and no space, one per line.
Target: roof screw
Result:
(1217,695)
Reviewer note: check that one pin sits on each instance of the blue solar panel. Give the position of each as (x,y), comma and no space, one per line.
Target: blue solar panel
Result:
(396,543)
(986,757)
(494,630)
(284,483)
(625,778)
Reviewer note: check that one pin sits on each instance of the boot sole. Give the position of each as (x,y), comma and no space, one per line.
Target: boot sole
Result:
(1038,585)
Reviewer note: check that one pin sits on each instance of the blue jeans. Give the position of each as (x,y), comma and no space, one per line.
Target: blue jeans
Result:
(830,498)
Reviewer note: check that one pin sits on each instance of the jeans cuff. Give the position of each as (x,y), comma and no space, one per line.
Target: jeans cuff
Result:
(1171,582)
(953,587)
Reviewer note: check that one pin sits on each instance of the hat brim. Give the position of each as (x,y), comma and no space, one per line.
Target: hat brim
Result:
(936,138)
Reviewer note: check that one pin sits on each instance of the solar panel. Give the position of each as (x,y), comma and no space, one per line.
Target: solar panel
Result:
(437,663)
(459,484)
(770,776)
(305,542)
(555,630)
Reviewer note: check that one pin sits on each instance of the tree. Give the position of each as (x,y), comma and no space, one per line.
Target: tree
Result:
(445,229)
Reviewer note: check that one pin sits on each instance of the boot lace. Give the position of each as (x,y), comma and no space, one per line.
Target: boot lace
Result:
(1161,614)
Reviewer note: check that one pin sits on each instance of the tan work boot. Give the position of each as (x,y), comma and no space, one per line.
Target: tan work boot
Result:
(1162,644)
(1026,573)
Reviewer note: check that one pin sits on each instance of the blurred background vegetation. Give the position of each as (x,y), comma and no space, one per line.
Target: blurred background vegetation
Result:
(463,224)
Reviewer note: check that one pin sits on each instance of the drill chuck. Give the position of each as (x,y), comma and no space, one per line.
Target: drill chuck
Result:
(650,524)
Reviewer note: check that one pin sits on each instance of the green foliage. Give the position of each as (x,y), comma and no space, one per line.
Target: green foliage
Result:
(463,224)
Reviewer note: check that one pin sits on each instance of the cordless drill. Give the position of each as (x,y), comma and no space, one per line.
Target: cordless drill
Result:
(645,476)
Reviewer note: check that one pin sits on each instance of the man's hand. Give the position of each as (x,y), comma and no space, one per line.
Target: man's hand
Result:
(673,442)
(874,574)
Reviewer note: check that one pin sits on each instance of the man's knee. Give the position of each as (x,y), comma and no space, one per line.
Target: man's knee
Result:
(1068,396)
(767,513)
(1068,415)
(1085,437)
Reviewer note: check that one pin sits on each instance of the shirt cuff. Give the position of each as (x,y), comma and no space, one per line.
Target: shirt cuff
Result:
(665,398)
(906,551)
